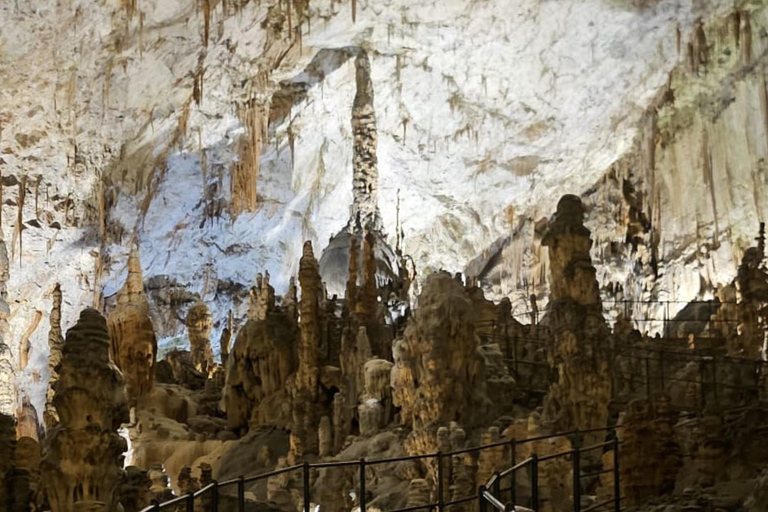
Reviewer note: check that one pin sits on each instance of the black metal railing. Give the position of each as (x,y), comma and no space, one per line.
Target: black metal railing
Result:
(646,370)
(212,491)
(492,493)
(666,323)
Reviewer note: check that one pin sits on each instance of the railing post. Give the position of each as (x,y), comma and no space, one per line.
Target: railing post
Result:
(577,472)
(480,496)
(661,370)
(513,475)
(190,502)
(307,495)
(647,376)
(515,357)
(616,483)
(155,505)
(440,490)
(215,497)
(497,486)
(362,485)
(241,494)
(535,483)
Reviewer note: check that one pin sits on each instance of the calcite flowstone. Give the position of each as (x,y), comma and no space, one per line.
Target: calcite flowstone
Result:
(82,459)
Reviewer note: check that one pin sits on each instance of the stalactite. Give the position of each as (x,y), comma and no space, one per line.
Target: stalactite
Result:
(290,21)
(204,171)
(709,181)
(19,219)
(206,21)
(354,11)
(24,345)
(245,172)
(37,195)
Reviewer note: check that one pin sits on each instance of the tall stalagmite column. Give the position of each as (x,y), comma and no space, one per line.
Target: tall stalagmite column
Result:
(365,173)
(82,460)
(55,342)
(132,335)
(580,339)
(7,374)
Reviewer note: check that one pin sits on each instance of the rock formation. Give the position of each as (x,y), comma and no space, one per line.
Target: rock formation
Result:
(262,360)
(262,298)
(579,337)
(306,381)
(134,347)
(364,162)
(7,374)
(199,323)
(436,367)
(82,459)
(55,342)
(7,448)
(650,456)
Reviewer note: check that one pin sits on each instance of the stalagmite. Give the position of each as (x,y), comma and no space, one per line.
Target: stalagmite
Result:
(580,339)
(437,366)
(262,298)
(132,335)
(199,323)
(55,342)
(82,460)
(226,337)
(7,449)
(7,373)
(261,361)
(650,456)
(325,437)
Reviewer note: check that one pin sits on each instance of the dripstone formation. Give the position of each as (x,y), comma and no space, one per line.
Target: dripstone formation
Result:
(132,336)
(82,460)
(199,323)
(579,345)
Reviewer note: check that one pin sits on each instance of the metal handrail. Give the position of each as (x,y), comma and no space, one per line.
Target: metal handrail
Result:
(214,487)
(490,493)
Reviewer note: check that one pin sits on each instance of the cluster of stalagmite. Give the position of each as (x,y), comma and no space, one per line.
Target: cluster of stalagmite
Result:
(579,338)
(132,336)
(199,323)
(261,361)
(436,364)
(82,459)
(650,456)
